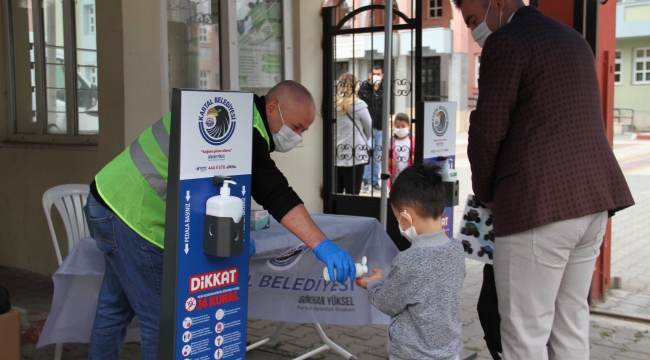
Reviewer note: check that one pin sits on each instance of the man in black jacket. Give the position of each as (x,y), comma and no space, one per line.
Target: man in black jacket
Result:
(287,111)
(133,277)
(371,91)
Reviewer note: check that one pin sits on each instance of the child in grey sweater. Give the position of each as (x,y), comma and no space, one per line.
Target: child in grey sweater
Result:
(421,293)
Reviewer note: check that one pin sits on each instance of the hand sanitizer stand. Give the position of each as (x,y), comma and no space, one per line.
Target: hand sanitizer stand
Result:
(205,291)
(439,148)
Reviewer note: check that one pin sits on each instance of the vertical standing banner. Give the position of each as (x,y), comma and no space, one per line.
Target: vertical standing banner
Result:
(205,297)
(440,144)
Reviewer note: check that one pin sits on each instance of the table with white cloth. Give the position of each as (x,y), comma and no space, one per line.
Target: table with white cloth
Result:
(285,280)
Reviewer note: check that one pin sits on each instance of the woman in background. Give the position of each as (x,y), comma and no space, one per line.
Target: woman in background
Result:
(353,129)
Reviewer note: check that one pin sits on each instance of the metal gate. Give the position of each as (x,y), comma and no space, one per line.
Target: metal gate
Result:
(353,42)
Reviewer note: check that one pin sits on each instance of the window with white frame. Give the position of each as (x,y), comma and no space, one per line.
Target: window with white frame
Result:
(89,23)
(203,79)
(93,76)
(203,33)
(435,9)
(618,71)
(477,65)
(641,66)
(52,98)
(342,9)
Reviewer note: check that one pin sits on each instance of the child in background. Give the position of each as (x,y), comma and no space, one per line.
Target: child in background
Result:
(402,147)
(421,294)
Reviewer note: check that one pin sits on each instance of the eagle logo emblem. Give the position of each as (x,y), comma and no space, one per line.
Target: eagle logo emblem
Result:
(440,121)
(217,126)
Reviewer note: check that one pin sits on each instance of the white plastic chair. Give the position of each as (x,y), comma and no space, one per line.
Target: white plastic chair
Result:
(69,200)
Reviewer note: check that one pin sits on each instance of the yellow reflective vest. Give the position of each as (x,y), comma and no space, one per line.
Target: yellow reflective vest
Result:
(134,184)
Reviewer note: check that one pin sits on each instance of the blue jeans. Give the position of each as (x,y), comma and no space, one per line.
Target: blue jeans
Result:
(374,166)
(132,285)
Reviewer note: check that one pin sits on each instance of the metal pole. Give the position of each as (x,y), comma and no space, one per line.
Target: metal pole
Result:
(70,56)
(229,49)
(329,150)
(388,55)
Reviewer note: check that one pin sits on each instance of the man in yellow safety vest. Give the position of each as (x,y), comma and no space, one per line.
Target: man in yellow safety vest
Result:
(126,216)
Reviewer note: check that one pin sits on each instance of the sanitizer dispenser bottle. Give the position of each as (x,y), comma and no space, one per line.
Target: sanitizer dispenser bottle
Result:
(223,226)
(450,181)
(448,174)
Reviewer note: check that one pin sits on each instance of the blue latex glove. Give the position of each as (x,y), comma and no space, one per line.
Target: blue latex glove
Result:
(335,258)
(251,248)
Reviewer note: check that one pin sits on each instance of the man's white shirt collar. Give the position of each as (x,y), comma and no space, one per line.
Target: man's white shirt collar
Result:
(511,15)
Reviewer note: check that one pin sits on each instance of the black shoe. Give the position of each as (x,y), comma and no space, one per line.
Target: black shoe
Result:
(377,187)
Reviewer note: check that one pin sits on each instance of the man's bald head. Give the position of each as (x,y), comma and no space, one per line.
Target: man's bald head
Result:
(292,102)
(292,90)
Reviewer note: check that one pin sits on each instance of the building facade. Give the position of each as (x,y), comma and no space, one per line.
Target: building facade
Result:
(82,79)
(632,66)
(125,57)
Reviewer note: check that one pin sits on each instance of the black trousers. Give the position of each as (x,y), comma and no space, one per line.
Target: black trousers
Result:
(488,312)
(349,178)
